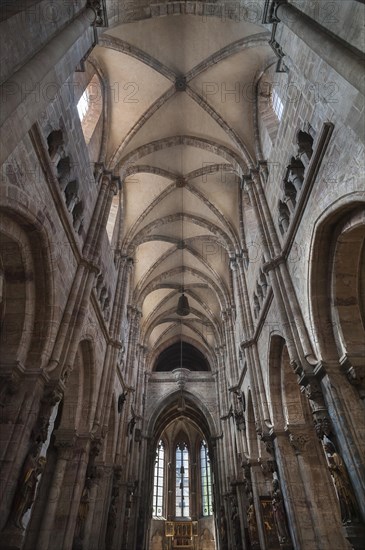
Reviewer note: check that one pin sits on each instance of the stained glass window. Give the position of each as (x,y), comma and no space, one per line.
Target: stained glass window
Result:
(158,482)
(182,481)
(206,480)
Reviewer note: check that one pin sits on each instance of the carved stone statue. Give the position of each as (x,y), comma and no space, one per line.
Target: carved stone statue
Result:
(252,524)
(111,525)
(83,510)
(348,505)
(278,511)
(223,529)
(236,526)
(27,486)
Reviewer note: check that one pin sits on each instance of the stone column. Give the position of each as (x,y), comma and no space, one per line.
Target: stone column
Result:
(227,321)
(20,424)
(31,88)
(296,334)
(115,347)
(65,441)
(300,520)
(110,185)
(237,289)
(68,337)
(344,59)
(81,477)
(259,401)
(134,329)
(311,468)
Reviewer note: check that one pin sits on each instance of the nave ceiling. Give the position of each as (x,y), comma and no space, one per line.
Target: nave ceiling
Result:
(180,133)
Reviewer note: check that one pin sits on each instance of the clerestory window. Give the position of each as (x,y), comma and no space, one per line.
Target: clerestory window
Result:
(89,107)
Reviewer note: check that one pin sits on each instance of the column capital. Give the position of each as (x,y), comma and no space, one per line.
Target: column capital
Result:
(299,437)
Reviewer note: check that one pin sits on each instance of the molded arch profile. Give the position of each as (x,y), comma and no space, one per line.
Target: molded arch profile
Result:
(288,405)
(78,406)
(222,294)
(159,348)
(165,143)
(145,233)
(180,355)
(166,411)
(29,329)
(335,275)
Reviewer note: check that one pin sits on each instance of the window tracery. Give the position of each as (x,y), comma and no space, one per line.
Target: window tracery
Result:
(182,495)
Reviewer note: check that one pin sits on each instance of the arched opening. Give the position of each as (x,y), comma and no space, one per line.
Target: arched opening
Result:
(336,285)
(182,477)
(13,299)
(25,284)
(337,317)
(181,355)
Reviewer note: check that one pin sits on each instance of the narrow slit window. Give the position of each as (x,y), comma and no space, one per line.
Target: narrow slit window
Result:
(83,104)
(277,104)
(89,107)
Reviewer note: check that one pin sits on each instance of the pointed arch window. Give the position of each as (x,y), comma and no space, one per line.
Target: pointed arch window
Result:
(182,481)
(206,480)
(158,482)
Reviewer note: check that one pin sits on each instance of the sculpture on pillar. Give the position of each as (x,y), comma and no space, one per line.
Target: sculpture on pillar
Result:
(111,525)
(252,525)
(236,526)
(223,529)
(348,504)
(82,514)
(27,486)
(112,513)
(278,511)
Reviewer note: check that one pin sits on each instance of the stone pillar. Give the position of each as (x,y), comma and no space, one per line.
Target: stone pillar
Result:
(227,321)
(65,441)
(31,88)
(340,430)
(109,187)
(76,530)
(318,491)
(134,329)
(115,348)
(299,515)
(256,488)
(335,52)
(259,401)
(19,412)
(32,439)
(68,337)
(296,334)
(98,515)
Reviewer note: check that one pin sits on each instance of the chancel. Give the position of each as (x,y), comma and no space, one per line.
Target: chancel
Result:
(182,275)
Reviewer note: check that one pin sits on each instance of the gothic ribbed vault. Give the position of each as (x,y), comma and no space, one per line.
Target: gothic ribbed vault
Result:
(181,134)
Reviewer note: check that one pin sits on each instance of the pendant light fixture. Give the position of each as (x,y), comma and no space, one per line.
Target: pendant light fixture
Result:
(183,307)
